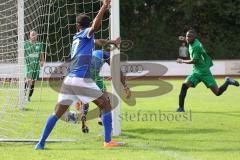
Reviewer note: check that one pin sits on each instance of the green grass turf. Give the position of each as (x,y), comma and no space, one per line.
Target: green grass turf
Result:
(209,130)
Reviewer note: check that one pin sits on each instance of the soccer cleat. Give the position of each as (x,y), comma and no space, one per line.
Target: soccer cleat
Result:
(113,144)
(85,129)
(39,146)
(180,109)
(100,122)
(231,81)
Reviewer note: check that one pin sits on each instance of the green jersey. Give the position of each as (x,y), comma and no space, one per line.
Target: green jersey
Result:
(203,61)
(32,52)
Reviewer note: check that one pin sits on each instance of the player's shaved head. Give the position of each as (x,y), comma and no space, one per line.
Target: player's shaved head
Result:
(191,36)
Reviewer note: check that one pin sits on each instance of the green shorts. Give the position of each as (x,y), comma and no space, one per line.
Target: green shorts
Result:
(101,85)
(207,79)
(33,75)
(32,72)
(99,80)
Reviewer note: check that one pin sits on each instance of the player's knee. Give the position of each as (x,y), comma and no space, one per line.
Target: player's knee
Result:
(216,91)
(60,110)
(104,104)
(33,83)
(188,84)
(183,90)
(185,87)
(217,94)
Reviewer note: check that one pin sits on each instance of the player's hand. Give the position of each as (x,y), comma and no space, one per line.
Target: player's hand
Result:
(117,42)
(106,3)
(41,63)
(180,61)
(128,92)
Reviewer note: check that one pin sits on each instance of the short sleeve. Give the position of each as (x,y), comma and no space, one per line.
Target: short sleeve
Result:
(87,33)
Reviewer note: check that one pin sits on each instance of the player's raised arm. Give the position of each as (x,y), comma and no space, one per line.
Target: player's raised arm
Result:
(97,20)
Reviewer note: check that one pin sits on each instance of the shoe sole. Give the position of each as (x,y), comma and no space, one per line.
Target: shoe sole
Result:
(120,144)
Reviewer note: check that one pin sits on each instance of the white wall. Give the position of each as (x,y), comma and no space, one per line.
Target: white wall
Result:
(174,69)
(138,68)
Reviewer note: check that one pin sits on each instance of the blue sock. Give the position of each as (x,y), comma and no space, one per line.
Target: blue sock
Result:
(51,121)
(107,124)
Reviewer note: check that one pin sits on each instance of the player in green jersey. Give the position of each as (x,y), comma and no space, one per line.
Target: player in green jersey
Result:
(34,58)
(99,58)
(202,63)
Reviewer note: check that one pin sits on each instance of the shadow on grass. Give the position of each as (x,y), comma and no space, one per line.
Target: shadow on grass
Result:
(161,139)
(184,149)
(233,114)
(132,134)
(173,131)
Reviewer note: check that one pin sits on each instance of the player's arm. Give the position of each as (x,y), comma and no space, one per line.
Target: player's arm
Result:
(196,56)
(104,42)
(42,56)
(97,20)
(190,61)
(42,59)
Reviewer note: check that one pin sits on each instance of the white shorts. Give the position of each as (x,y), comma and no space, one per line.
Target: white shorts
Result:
(78,89)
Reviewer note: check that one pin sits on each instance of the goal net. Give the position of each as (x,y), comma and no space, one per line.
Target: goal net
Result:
(54,21)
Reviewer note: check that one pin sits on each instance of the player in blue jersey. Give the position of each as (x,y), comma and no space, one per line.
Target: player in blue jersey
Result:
(99,58)
(78,85)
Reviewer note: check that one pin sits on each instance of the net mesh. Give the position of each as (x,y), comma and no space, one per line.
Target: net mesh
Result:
(54,20)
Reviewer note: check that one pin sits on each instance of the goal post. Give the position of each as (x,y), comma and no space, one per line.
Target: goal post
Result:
(115,67)
(20,51)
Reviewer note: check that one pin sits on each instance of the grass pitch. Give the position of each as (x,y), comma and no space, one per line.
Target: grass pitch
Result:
(210,129)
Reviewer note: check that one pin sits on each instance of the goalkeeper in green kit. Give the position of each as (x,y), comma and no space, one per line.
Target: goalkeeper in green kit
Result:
(202,63)
(34,58)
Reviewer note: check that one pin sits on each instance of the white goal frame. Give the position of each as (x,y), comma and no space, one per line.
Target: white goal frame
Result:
(115,68)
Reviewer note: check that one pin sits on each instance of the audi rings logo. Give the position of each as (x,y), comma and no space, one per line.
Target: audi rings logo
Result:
(55,69)
(132,68)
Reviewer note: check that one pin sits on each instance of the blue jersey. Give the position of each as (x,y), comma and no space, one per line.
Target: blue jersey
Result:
(99,57)
(81,54)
